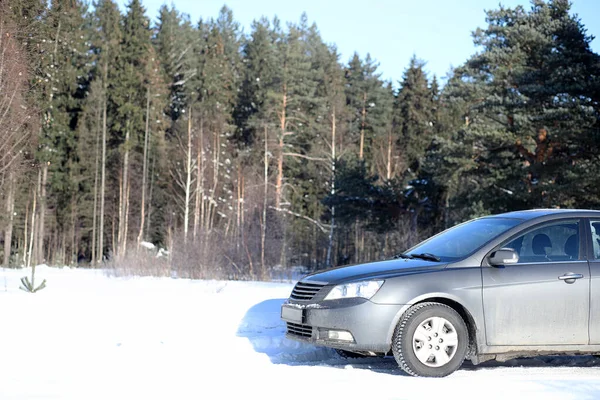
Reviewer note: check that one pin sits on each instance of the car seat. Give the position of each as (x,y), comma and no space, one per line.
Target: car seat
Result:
(572,247)
(539,244)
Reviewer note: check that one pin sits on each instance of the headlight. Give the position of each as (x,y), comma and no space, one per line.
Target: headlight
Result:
(365,289)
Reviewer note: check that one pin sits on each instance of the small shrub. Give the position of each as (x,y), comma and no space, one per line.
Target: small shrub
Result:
(28,286)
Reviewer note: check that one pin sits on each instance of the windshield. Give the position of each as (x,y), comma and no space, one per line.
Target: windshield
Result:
(462,240)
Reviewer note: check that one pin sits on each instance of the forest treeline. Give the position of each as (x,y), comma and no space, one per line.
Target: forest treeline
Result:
(245,153)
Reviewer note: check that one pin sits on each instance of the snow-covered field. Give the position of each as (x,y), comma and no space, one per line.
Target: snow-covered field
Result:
(89,336)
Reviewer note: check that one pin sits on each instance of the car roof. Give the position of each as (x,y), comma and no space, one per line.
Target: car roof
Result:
(537,213)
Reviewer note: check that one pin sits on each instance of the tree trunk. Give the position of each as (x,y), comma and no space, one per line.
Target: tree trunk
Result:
(144,169)
(10,211)
(389,157)
(74,248)
(125,186)
(243,223)
(126,228)
(33,209)
(333,162)
(386,245)
(362,127)
(95,216)
(362,244)
(199,203)
(100,254)
(188,178)
(201,176)
(263,233)
(216,159)
(238,214)
(121,206)
(112,226)
(149,219)
(25,237)
(414,233)
(279,182)
(283,257)
(282,125)
(39,256)
(447,209)
(356,242)
(63,247)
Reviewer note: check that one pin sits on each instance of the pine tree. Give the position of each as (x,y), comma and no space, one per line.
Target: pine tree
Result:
(369,101)
(65,63)
(254,128)
(529,110)
(176,45)
(259,58)
(414,113)
(217,90)
(334,129)
(106,45)
(130,98)
(293,99)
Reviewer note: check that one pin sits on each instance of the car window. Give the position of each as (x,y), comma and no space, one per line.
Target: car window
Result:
(595,228)
(556,241)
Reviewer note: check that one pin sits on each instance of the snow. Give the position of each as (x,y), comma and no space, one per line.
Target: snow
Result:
(148,245)
(91,336)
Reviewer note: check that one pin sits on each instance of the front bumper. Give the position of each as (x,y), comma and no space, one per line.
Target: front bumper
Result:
(368,322)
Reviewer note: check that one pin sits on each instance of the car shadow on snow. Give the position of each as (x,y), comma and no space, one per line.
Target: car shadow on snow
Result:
(265,330)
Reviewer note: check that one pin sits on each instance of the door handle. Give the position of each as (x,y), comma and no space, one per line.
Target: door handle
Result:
(570,277)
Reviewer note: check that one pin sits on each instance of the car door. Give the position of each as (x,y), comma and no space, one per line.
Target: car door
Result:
(544,298)
(593,236)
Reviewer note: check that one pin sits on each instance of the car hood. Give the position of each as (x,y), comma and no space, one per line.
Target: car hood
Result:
(374,270)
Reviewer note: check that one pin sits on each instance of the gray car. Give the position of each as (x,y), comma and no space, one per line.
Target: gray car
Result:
(511,285)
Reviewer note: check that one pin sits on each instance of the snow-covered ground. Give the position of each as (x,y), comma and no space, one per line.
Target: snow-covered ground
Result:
(89,336)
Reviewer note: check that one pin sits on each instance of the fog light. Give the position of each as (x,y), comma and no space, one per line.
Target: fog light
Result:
(340,335)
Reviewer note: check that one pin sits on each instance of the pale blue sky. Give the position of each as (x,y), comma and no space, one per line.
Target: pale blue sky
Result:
(437,31)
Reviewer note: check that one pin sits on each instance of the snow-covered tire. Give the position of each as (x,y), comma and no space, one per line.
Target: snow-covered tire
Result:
(431,339)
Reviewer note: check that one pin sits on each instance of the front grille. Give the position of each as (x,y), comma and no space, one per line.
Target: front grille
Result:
(305,291)
(299,330)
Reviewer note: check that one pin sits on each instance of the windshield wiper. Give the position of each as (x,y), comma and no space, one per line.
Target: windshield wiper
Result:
(426,256)
(402,255)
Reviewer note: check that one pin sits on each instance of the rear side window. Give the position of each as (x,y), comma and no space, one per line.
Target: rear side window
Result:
(595,228)
(552,242)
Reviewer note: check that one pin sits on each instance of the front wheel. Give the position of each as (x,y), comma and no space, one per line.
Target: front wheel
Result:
(431,339)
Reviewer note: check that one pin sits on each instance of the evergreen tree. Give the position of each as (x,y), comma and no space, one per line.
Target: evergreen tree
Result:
(530,111)
(332,121)
(106,45)
(369,102)
(176,45)
(66,65)
(130,98)
(217,95)
(293,101)
(413,114)
(260,69)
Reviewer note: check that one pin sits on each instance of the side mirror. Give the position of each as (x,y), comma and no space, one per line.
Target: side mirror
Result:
(503,257)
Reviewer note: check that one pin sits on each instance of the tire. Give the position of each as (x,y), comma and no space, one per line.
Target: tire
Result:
(431,339)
